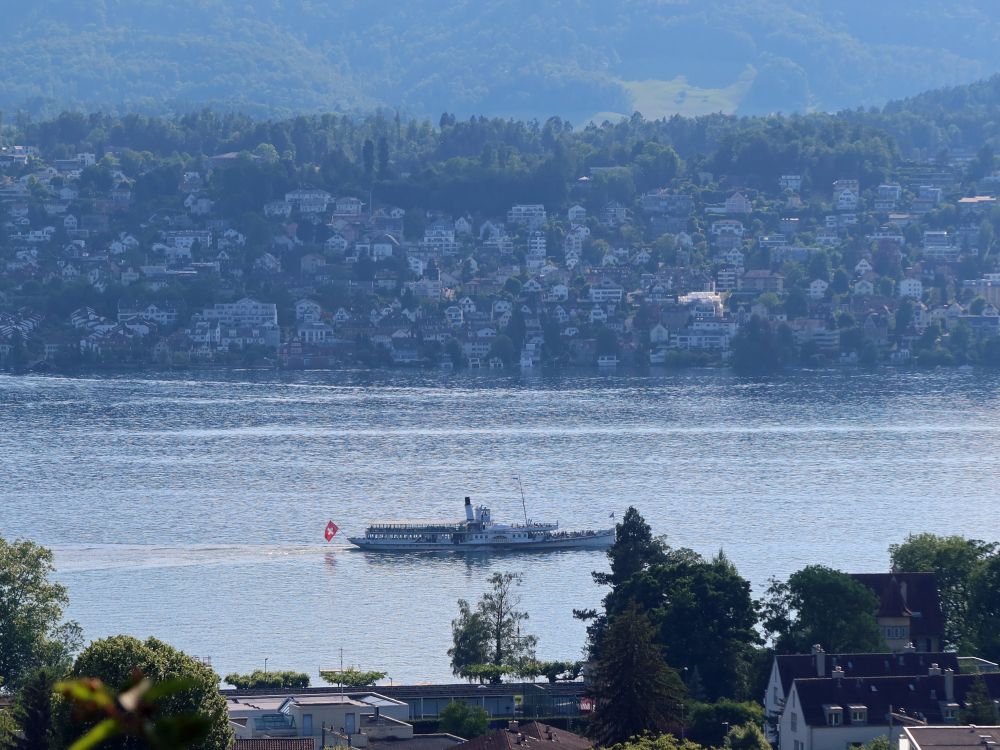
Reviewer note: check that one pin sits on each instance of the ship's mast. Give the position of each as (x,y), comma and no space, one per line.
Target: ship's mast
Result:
(524,507)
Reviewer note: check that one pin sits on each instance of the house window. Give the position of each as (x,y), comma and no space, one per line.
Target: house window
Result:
(859,715)
(895,632)
(834,715)
(795,722)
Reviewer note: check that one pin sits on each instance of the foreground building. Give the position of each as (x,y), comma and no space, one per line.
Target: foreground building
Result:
(949,738)
(787,668)
(839,712)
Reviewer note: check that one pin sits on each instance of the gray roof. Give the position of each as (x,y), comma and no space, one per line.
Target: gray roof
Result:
(799,666)
(953,738)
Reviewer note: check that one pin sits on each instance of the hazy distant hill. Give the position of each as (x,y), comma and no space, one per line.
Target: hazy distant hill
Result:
(576,58)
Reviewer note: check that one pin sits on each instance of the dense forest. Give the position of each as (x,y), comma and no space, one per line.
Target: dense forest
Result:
(482,165)
(510,58)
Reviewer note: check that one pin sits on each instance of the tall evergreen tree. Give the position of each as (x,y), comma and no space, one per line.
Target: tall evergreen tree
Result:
(33,712)
(368,157)
(635,550)
(633,688)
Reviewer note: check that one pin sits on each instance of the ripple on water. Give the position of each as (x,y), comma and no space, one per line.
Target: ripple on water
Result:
(192,507)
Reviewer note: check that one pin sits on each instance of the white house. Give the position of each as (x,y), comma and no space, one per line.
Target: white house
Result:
(738,203)
(786,668)
(840,712)
(817,288)
(308,311)
(606,291)
(864,288)
(453,314)
(911,287)
(529,215)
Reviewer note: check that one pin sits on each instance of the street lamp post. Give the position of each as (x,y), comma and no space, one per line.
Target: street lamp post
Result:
(265,667)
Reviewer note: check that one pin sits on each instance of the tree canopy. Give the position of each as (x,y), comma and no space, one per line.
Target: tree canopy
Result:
(352,677)
(270,679)
(701,610)
(819,605)
(647,741)
(33,633)
(117,659)
(955,561)
(491,633)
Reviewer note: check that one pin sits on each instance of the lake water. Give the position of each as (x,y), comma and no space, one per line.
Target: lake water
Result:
(192,507)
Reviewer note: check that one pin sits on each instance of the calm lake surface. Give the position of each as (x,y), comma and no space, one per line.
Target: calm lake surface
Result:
(192,507)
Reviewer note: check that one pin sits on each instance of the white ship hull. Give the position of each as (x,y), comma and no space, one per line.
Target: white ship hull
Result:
(585,540)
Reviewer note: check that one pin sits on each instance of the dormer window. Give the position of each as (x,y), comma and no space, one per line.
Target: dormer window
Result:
(834,715)
(949,712)
(859,714)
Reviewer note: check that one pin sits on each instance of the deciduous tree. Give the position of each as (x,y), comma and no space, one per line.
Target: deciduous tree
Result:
(954,560)
(984,609)
(822,606)
(117,659)
(32,631)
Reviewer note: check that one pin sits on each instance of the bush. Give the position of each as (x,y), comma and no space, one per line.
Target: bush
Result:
(706,722)
(258,680)
(352,677)
(461,719)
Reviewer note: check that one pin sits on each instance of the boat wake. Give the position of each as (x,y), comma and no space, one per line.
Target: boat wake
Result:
(97,557)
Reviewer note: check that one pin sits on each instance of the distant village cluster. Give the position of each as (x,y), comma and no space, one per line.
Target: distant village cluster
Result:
(847,271)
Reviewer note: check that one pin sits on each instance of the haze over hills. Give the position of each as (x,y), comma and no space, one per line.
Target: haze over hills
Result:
(575,58)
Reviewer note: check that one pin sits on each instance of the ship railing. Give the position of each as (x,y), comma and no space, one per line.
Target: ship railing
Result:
(429,528)
(534,525)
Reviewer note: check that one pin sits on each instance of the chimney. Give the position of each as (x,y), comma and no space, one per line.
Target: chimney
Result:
(838,674)
(468,509)
(819,656)
(949,684)
(934,671)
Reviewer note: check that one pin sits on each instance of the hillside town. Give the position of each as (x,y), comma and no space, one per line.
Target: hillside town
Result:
(899,272)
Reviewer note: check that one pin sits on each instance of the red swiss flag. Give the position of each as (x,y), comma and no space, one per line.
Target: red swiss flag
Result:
(331,531)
